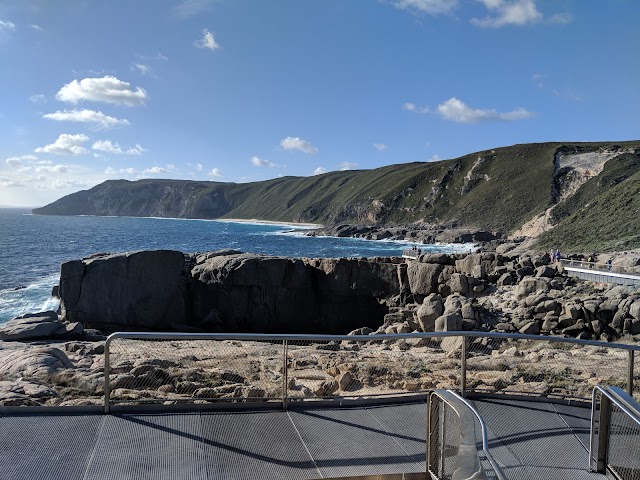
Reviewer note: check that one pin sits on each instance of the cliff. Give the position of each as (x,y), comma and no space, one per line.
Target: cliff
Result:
(522,190)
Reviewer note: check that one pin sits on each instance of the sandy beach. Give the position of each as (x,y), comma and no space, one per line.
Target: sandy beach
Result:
(255,221)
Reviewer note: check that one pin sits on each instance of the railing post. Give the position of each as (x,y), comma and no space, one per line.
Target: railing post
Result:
(630,374)
(463,369)
(603,434)
(107,369)
(285,374)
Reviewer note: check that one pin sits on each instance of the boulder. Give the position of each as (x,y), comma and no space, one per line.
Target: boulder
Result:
(423,277)
(458,283)
(505,279)
(530,328)
(35,362)
(30,326)
(530,285)
(448,323)
(430,309)
(545,271)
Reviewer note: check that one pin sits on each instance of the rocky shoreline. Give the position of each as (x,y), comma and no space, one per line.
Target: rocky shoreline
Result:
(51,359)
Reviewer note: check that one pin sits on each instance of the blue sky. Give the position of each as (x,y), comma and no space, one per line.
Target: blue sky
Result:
(240,91)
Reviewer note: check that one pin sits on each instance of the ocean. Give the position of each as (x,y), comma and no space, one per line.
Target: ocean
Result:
(32,247)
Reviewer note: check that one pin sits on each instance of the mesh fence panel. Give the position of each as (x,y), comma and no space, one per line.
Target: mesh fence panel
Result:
(198,371)
(636,375)
(369,368)
(623,451)
(450,442)
(205,370)
(542,367)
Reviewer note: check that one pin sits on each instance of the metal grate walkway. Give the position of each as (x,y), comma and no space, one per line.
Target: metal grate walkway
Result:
(531,440)
(538,440)
(298,444)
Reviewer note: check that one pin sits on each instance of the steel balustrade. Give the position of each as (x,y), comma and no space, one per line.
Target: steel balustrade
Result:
(286,340)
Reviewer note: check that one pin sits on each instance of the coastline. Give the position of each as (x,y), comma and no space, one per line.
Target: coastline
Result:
(255,221)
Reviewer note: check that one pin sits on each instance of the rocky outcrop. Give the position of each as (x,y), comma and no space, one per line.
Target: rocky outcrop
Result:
(139,290)
(226,291)
(229,291)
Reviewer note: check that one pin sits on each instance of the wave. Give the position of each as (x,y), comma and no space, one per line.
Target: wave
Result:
(35,297)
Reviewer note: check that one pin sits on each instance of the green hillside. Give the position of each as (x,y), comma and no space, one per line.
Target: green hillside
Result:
(497,190)
(609,222)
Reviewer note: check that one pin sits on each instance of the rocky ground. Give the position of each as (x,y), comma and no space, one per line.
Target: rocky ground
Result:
(47,361)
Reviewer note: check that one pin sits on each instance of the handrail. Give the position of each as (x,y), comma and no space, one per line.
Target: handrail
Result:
(601,267)
(285,339)
(621,400)
(471,468)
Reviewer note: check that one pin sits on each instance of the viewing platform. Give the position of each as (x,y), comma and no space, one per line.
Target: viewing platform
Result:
(302,407)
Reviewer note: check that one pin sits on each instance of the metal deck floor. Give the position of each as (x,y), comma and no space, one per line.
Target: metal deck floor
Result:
(531,440)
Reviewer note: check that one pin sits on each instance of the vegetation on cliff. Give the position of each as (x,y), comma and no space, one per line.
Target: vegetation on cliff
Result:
(498,190)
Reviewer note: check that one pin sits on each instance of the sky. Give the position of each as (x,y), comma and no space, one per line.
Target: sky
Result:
(250,90)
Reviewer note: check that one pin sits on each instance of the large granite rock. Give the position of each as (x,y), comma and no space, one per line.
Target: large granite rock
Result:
(423,277)
(139,290)
(243,292)
(226,291)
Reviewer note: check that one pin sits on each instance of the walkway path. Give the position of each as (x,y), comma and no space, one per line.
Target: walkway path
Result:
(531,440)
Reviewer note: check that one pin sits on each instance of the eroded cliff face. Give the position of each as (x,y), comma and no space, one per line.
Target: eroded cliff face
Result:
(226,292)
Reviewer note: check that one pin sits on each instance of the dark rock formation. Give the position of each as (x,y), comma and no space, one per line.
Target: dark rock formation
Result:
(226,291)
(140,290)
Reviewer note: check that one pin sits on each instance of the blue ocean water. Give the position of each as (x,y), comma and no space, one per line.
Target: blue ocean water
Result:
(32,247)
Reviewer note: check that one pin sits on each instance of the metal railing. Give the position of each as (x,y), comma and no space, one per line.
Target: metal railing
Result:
(605,273)
(603,267)
(614,445)
(454,445)
(169,368)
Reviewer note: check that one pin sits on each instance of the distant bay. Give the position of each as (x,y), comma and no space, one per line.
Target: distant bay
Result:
(32,247)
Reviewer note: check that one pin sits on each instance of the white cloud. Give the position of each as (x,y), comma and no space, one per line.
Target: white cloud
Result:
(295,143)
(64,185)
(411,107)
(37,28)
(51,169)
(127,171)
(189,8)
(380,146)
(456,110)
(98,119)
(319,171)
(539,79)
(508,12)
(435,158)
(215,172)
(108,146)
(199,167)
(7,25)
(141,68)
(207,41)
(38,98)
(259,162)
(348,166)
(431,7)
(6,183)
(156,169)
(66,144)
(15,162)
(135,150)
(107,89)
